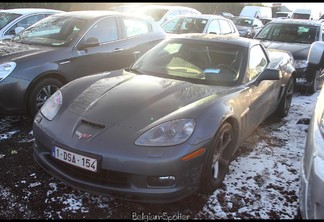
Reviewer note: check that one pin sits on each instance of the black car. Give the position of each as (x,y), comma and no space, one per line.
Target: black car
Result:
(66,46)
(169,125)
(295,36)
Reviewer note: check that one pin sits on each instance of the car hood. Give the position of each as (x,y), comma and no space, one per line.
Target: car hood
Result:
(138,100)
(298,50)
(11,50)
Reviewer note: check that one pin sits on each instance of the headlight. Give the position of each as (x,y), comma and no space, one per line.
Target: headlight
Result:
(300,64)
(6,69)
(52,105)
(168,134)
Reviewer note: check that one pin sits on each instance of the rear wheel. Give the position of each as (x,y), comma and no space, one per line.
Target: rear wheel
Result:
(216,165)
(285,102)
(40,93)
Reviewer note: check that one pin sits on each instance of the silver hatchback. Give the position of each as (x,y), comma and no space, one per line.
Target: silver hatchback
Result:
(312,166)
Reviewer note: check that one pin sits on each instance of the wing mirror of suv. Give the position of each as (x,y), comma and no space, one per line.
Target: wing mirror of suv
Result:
(316,55)
(90,42)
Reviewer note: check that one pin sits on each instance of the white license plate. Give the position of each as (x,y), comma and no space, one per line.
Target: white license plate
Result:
(75,159)
(301,80)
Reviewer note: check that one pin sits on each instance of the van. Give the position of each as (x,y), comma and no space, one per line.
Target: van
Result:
(283,14)
(256,11)
(302,13)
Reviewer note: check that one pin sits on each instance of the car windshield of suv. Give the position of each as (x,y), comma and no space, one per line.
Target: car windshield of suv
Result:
(6,18)
(292,33)
(185,25)
(201,62)
(243,22)
(51,31)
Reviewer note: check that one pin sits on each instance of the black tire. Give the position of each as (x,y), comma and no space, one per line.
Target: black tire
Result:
(41,91)
(285,102)
(315,84)
(216,166)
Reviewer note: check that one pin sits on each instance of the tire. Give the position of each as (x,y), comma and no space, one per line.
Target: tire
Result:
(314,86)
(216,166)
(41,91)
(285,102)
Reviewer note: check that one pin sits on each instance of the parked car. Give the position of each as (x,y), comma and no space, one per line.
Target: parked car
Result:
(295,36)
(311,191)
(283,14)
(163,13)
(255,11)
(168,125)
(248,27)
(302,13)
(12,21)
(66,46)
(200,24)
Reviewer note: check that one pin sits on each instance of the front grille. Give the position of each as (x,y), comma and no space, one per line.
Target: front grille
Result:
(106,177)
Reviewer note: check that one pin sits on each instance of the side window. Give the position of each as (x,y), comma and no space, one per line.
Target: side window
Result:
(135,27)
(214,27)
(257,62)
(26,22)
(171,25)
(104,30)
(225,28)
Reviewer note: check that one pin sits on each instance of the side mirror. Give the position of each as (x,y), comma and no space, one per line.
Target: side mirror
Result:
(316,55)
(268,74)
(18,29)
(90,42)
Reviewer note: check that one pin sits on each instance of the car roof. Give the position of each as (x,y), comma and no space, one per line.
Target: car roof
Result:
(232,40)
(296,21)
(203,16)
(24,11)
(90,14)
(165,6)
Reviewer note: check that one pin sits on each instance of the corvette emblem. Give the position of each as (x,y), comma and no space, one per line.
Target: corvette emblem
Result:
(82,135)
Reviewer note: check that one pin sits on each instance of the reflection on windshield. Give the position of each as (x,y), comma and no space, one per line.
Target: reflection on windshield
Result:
(292,33)
(192,61)
(6,18)
(51,31)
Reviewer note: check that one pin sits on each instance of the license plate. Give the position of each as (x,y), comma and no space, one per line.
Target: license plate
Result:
(84,162)
(301,80)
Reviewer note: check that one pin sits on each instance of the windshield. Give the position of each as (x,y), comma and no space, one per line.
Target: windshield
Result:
(192,61)
(185,25)
(292,33)
(243,22)
(51,31)
(6,18)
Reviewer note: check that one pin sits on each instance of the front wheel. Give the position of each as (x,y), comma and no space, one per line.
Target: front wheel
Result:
(41,92)
(315,84)
(285,102)
(216,165)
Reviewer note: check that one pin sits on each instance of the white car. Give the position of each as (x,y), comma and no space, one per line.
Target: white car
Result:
(163,13)
(12,21)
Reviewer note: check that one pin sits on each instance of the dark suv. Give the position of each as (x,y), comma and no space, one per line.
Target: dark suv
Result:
(295,36)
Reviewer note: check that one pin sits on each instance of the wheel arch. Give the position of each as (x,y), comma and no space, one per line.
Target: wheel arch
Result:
(236,127)
(54,75)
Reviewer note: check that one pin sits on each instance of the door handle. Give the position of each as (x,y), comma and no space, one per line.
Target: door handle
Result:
(118,49)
